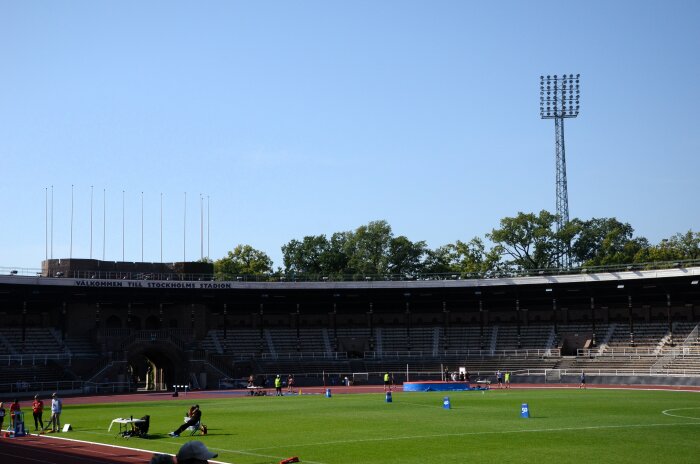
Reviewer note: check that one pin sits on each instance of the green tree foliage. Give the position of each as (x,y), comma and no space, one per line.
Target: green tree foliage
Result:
(688,244)
(606,241)
(529,240)
(473,258)
(316,255)
(405,256)
(525,242)
(368,248)
(336,259)
(243,260)
(678,247)
(306,256)
(598,239)
(440,260)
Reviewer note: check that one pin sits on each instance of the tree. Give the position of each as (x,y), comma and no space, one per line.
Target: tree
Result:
(405,257)
(306,256)
(629,252)
(529,240)
(440,260)
(335,260)
(678,247)
(687,244)
(243,260)
(606,241)
(597,237)
(472,258)
(368,248)
(316,254)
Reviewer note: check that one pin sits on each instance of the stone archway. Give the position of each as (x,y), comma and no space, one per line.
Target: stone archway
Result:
(156,365)
(113,322)
(152,323)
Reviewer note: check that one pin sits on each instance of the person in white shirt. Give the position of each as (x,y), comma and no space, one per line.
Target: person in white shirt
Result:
(56,407)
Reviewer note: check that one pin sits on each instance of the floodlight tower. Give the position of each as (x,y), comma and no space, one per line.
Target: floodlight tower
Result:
(559,99)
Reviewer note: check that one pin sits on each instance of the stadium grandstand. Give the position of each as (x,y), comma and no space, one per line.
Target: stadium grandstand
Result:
(88,326)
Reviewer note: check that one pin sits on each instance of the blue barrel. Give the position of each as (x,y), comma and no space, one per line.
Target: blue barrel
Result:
(446,403)
(525,411)
(328,392)
(388,397)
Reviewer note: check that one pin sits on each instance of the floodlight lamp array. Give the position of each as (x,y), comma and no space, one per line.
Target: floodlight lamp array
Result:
(559,96)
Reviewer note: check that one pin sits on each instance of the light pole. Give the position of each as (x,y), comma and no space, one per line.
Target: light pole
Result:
(559,99)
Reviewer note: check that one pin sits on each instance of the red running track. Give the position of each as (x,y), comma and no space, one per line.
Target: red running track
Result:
(34,449)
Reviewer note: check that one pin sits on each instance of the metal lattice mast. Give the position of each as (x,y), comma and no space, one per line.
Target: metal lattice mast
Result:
(562,193)
(559,99)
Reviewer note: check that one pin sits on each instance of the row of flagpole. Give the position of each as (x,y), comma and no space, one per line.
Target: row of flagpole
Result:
(49,224)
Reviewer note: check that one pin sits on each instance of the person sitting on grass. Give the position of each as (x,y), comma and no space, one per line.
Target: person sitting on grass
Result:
(194,416)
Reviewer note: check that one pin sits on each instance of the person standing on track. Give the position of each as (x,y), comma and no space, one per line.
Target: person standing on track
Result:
(56,409)
(37,412)
(278,385)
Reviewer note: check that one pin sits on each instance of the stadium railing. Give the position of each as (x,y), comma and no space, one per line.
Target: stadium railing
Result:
(305,355)
(34,359)
(474,354)
(646,372)
(27,388)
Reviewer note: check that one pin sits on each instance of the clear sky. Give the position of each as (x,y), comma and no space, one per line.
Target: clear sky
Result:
(303,118)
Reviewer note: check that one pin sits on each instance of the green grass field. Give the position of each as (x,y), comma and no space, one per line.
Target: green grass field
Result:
(566,426)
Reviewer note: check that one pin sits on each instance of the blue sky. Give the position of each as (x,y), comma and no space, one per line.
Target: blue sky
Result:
(306,118)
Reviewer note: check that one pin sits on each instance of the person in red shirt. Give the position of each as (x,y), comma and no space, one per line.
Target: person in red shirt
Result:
(14,408)
(37,411)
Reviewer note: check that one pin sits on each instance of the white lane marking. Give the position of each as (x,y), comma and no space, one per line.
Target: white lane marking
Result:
(667,413)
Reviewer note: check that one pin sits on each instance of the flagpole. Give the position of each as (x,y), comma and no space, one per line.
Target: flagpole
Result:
(161,227)
(46,226)
(208,252)
(52,222)
(70,255)
(91,197)
(201,227)
(104,222)
(184,232)
(123,226)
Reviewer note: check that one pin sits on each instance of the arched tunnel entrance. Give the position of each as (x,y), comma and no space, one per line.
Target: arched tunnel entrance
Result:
(156,366)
